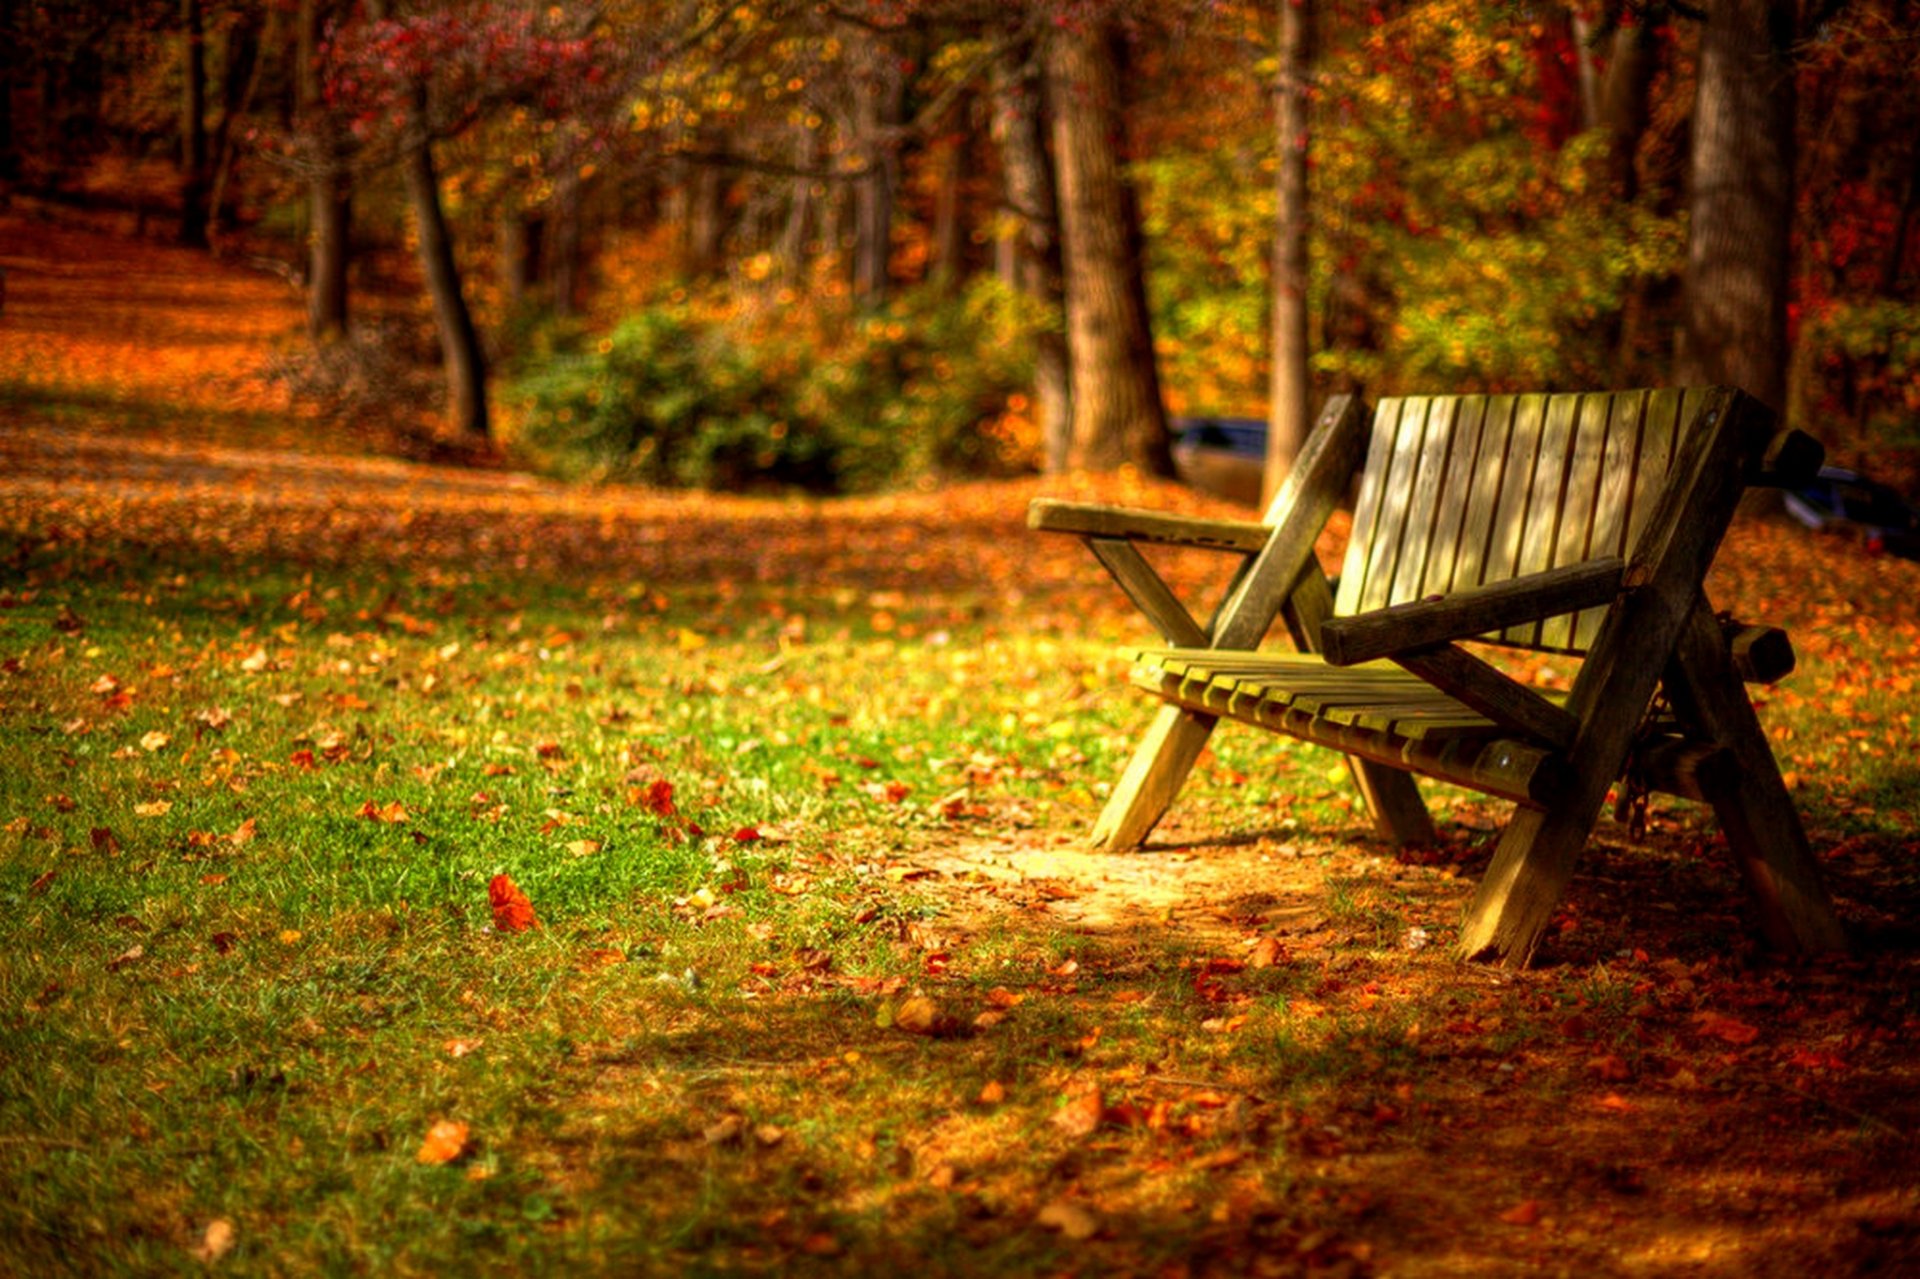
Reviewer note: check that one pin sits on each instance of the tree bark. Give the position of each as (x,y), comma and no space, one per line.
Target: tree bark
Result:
(460,351)
(243,66)
(193,125)
(1118,417)
(1289,411)
(1034,250)
(329,191)
(1625,102)
(564,243)
(880,95)
(1739,237)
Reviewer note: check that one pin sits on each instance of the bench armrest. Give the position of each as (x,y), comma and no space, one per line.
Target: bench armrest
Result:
(1088,519)
(1467,613)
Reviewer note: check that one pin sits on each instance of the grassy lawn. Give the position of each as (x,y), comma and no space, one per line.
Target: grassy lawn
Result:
(822,980)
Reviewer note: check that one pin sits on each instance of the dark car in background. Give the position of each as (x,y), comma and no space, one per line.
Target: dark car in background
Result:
(1224,456)
(1848,503)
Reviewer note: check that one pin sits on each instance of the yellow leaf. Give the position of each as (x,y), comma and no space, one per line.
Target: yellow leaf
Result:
(158,808)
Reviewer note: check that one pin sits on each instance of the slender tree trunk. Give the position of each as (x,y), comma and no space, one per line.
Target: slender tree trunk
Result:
(949,232)
(1019,122)
(1589,74)
(193,125)
(519,251)
(10,60)
(329,191)
(244,65)
(800,206)
(564,244)
(880,96)
(1118,417)
(1739,237)
(1625,99)
(1289,410)
(460,350)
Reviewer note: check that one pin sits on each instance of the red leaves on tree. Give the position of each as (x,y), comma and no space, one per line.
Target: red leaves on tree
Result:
(512,912)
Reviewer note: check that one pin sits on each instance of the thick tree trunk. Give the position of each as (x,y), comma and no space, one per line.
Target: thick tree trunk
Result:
(1289,410)
(460,350)
(1118,417)
(1739,237)
(193,125)
(9,70)
(792,251)
(1034,267)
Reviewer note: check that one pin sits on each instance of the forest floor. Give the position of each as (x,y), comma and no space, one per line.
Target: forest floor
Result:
(823,978)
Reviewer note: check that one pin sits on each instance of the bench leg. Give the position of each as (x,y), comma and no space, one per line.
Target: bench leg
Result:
(1762,826)
(1531,867)
(1393,797)
(1160,764)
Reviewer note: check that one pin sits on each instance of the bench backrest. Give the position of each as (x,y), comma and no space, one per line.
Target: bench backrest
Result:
(1462,490)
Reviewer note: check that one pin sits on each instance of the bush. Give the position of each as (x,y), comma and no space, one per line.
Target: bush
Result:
(675,396)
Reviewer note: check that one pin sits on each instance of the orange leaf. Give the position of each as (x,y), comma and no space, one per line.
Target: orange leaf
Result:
(1726,1029)
(512,912)
(1082,1113)
(1524,1213)
(392,814)
(446,1141)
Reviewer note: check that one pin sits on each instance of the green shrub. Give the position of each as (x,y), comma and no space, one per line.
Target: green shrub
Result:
(674,396)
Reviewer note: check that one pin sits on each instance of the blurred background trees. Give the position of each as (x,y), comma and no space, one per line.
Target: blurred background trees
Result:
(844,244)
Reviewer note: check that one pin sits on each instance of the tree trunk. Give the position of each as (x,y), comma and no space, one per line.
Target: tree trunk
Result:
(519,251)
(329,192)
(949,232)
(792,249)
(193,125)
(10,60)
(1739,237)
(243,67)
(564,244)
(1625,99)
(1589,75)
(1118,417)
(880,95)
(1019,114)
(1289,411)
(460,349)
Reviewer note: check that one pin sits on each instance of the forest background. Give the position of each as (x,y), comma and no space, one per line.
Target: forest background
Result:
(845,246)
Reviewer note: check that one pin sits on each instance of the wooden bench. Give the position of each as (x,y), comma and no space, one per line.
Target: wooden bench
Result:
(1572,524)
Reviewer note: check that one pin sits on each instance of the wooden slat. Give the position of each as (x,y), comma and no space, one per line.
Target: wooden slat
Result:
(1092,520)
(1541,526)
(1579,506)
(1625,426)
(1383,554)
(1659,439)
(1450,518)
(1523,451)
(1388,632)
(1147,591)
(1430,483)
(1506,702)
(1366,509)
(1485,491)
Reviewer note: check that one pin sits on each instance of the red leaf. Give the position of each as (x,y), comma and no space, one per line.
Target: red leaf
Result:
(512,912)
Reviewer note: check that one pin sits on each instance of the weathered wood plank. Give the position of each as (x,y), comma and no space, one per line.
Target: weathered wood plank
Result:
(1624,426)
(1430,482)
(1366,508)
(1540,528)
(1509,603)
(1509,518)
(1482,688)
(1579,506)
(1449,520)
(1084,519)
(1153,776)
(1148,592)
(1484,496)
(1383,549)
